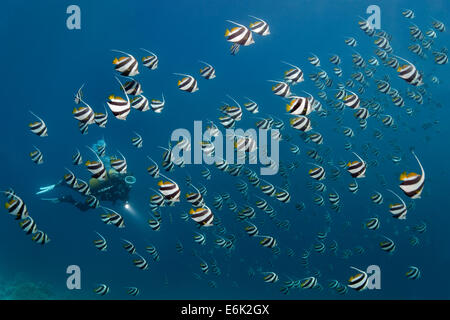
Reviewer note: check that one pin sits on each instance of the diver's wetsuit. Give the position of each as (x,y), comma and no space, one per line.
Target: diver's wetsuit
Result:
(113,189)
(83,206)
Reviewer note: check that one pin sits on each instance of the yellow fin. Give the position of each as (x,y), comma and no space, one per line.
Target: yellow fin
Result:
(401,68)
(403,176)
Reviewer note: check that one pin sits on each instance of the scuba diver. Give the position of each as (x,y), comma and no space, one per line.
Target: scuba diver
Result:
(115,187)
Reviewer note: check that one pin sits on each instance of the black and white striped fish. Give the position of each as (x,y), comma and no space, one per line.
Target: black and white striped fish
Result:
(153,170)
(412,184)
(377,198)
(301,123)
(195,198)
(267,188)
(352,100)
(227,121)
(119,106)
(362,113)
(129,247)
(70,179)
(36,156)
(132,291)
(208,72)
(126,66)
(317,173)
(16,206)
(140,103)
(408,13)
(388,245)
(151,61)
(267,241)
(372,224)
(203,216)
(281,88)
(335,59)
(357,169)
(153,252)
(314,60)
(83,127)
(28,225)
(245,144)
(154,224)
(101,244)
(294,75)
(348,132)
(132,87)
(169,189)
(299,106)
(137,141)
(97,168)
(251,230)
(187,83)
(409,73)
(120,165)
(270,277)
(438,25)
(353,187)
(260,27)
(101,290)
(373,61)
(38,127)
(359,281)
(315,137)
(82,187)
(413,273)
(76,158)
(112,217)
(101,118)
(240,34)
(334,198)
(158,105)
(92,201)
(101,150)
(251,106)
(398,210)
(351,42)
(40,237)
(140,263)
(283,196)
(308,283)
(440,57)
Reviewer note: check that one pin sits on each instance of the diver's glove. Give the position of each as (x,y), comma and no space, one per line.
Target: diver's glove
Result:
(46,189)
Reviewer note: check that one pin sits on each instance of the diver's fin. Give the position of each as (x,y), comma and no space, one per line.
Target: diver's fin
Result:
(53,200)
(46,189)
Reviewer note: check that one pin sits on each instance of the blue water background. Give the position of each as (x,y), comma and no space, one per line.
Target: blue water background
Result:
(44,63)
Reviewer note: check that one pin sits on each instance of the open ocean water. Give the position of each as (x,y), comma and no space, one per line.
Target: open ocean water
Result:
(44,64)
